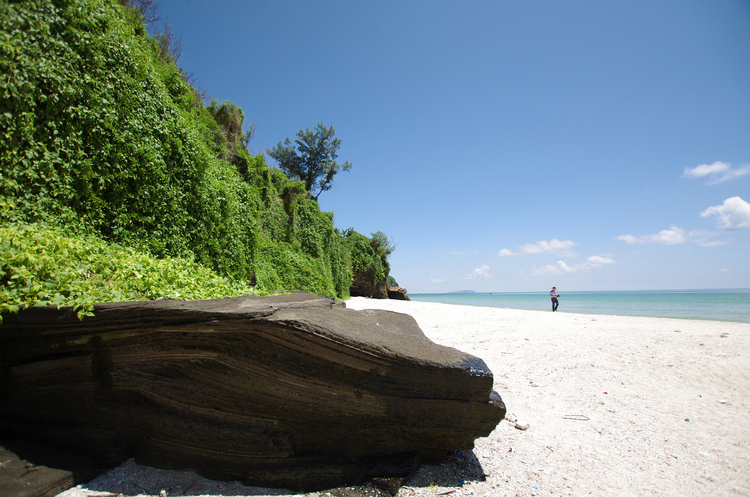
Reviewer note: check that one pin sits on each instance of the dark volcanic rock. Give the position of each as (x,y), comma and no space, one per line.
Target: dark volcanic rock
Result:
(398,293)
(293,391)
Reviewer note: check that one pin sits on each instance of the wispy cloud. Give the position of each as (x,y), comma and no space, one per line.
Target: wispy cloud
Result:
(555,246)
(463,252)
(599,260)
(562,268)
(480,272)
(672,236)
(675,236)
(718,172)
(714,243)
(733,214)
(559,268)
(433,280)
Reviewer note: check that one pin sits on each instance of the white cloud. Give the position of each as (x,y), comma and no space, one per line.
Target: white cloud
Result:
(672,236)
(741,171)
(675,236)
(714,244)
(628,239)
(433,280)
(562,268)
(559,268)
(480,272)
(719,172)
(545,270)
(706,169)
(733,214)
(599,260)
(554,246)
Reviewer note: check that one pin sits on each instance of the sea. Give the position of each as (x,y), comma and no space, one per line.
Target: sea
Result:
(716,305)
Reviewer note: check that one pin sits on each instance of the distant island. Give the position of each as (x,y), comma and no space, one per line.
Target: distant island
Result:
(464,291)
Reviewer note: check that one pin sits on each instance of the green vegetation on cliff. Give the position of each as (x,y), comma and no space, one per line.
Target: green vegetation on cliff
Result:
(43,266)
(101,138)
(369,255)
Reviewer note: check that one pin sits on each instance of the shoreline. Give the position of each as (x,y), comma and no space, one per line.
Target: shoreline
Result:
(563,311)
(728,305)
(615,405)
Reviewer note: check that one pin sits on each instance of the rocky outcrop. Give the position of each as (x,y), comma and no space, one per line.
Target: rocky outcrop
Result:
(363,286)
(291,391)
(381,290)
(398,293)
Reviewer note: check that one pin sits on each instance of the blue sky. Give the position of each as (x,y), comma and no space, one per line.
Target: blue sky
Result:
(503,145)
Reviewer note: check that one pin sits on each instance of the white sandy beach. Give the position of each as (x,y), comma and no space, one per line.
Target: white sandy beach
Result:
(615,406)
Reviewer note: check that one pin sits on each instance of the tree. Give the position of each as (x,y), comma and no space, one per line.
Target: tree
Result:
(148,9)
(382,244)
(312,160)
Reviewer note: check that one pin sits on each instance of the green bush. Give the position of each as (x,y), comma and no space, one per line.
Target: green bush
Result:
(369,255)
(283,267)
(44,266)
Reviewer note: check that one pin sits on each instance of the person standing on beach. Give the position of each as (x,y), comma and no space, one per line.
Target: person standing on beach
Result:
(553,295)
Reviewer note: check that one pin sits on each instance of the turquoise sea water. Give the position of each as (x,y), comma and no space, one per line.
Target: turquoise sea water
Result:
(717,305)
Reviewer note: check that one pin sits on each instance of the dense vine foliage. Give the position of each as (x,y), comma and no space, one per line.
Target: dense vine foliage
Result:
(369,255)
(102,138)
(43,266)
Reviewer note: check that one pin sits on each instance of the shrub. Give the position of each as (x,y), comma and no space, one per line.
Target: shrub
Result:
(368,255)
(44,266)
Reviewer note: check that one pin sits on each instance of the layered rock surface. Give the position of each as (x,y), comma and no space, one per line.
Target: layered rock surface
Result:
(290,391)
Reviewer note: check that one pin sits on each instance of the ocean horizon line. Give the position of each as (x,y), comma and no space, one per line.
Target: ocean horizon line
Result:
(717,304)
(585,291)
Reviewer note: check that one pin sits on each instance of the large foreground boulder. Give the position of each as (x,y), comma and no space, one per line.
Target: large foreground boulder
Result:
(291,391)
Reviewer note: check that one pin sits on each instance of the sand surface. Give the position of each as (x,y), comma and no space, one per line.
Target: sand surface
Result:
(614,406)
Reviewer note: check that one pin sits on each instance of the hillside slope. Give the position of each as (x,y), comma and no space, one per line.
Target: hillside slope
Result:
(100,134)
